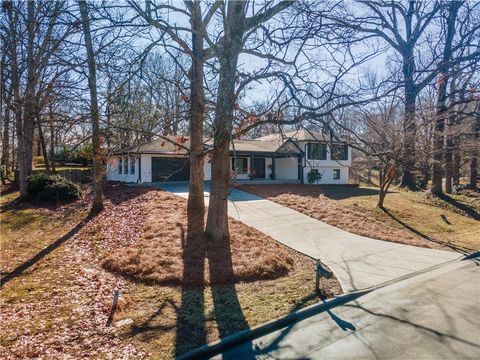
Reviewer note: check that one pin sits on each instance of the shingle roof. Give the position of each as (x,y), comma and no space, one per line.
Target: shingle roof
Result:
(298,135)
(179,145)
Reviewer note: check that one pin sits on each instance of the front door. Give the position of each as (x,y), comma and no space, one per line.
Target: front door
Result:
(259,168)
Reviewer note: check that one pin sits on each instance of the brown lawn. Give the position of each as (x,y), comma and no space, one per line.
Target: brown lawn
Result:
(409,218)
(58,306)
(158,257)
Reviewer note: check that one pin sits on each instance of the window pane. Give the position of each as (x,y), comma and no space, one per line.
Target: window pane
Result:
(240,165)
(120,165)
(125,165)
(317,151)
(132,165)
(336,174)
(339,152)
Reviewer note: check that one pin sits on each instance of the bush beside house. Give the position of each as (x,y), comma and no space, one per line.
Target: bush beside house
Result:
(47,187)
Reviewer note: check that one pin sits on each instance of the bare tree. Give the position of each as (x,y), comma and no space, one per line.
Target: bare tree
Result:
(401,27)
(237,27)
(444,76)
(98,162)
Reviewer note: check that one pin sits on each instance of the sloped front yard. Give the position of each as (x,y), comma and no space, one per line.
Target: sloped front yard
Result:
(172,300)
(409,218)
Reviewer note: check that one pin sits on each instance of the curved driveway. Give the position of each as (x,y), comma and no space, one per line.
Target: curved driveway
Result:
(357,261)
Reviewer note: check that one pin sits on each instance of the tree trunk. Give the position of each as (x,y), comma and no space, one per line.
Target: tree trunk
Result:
(438,138)
(52,138)
(42,144)
(384,186)
(196,202)
(457,158)
(30,103)
(444,76)
(474,155)
(21,174)
(409,126)
(449,143)
(6,143)
(217,220)
(97,204)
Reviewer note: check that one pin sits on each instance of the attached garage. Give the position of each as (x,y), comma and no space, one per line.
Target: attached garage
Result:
(170,169)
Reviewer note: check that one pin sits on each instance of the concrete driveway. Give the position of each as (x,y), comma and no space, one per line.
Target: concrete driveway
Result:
(357,261)
(434,315)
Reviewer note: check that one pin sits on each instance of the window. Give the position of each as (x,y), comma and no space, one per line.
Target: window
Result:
(336,174)
(132,165)
(240,165)
(317,151)
(120,165)
(125,165)
(339,152)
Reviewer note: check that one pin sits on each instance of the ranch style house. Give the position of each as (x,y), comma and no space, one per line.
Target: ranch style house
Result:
(287,157)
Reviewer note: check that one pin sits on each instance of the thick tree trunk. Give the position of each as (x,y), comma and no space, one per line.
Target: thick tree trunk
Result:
(217,221)
(409,129)
(196,202)
(21,166)
(449,144)
(30,103)
(444,76)
(97,204)
(438,139)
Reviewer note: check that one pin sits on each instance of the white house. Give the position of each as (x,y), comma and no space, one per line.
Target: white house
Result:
(287,157)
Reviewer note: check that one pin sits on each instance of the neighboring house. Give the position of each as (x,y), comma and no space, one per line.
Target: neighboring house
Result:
(287,157)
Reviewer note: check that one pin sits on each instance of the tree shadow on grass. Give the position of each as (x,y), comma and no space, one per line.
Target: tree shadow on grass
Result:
(457,248)
(45,251)
(227,312)
(468,210)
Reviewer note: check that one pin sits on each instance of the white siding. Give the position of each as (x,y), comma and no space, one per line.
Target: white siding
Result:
(114,175)
(207,169)
(146,168)
(286,168)
(327,174)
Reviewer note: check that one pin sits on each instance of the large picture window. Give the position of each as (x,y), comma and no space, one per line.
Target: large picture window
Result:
(120,165)
(317,151)
(240,165)
(339,152)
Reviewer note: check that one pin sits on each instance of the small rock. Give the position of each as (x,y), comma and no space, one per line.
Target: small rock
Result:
(123,322)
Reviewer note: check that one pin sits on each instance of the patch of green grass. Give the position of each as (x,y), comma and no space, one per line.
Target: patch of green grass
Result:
(18,218)
(27,229)
(432,217)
